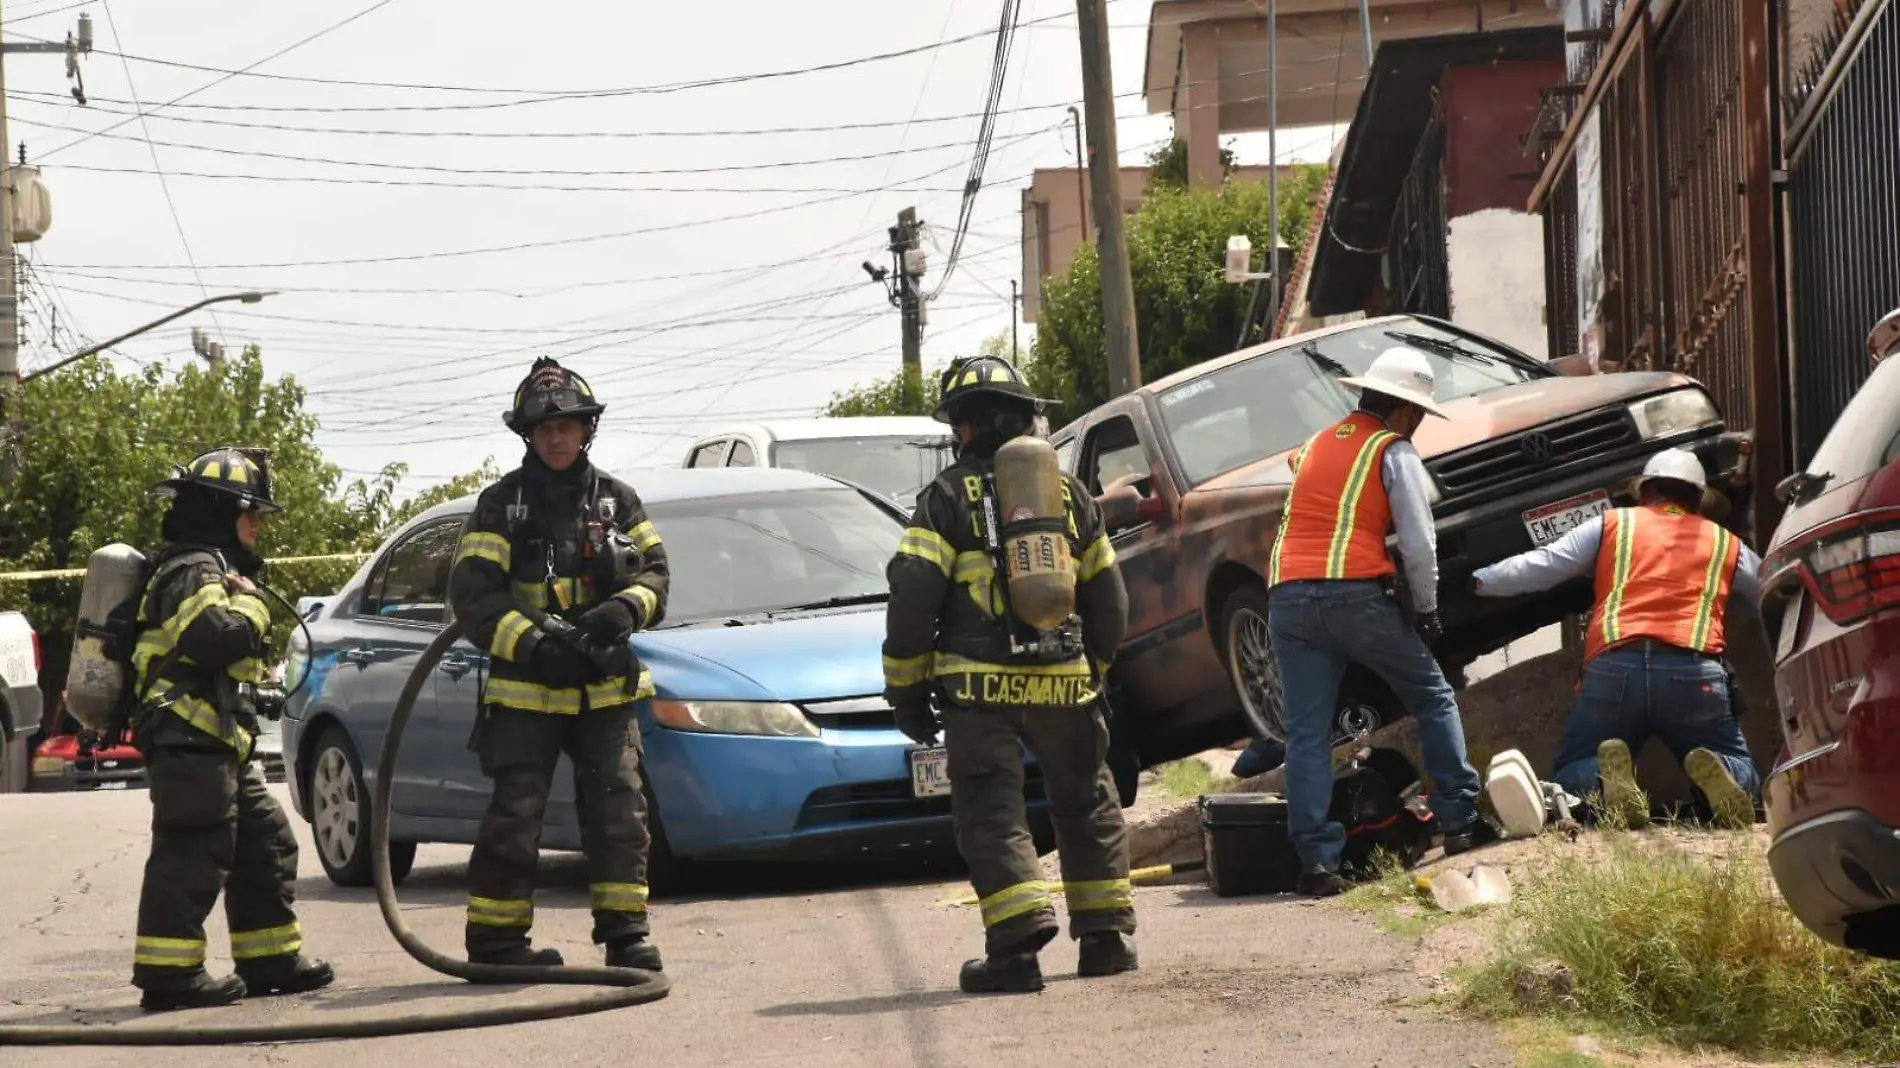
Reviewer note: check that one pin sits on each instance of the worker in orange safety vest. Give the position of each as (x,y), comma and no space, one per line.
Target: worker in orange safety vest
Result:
(1331,603)
(1667,580)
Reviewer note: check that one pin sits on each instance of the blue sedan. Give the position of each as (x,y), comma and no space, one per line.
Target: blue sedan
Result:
(768,737)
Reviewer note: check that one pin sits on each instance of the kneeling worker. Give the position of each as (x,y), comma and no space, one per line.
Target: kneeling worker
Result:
(1667,580)
(951,634)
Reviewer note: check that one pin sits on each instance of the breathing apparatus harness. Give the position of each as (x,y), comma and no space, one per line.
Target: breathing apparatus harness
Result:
(1027,644)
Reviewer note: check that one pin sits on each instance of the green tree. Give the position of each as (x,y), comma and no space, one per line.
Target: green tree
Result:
(1185,310)
(96,441)
(1168,165)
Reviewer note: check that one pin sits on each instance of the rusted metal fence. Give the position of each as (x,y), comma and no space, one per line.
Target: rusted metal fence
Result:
(1416,264)
(1843,236)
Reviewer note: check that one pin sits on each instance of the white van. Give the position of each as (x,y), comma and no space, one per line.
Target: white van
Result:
(892,455)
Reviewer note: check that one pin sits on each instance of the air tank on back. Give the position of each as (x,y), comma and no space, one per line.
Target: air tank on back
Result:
(96,680)
(1033,527)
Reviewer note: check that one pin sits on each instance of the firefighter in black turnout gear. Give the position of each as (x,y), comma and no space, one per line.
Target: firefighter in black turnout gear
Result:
(557,568)
(953,643)
(201,677)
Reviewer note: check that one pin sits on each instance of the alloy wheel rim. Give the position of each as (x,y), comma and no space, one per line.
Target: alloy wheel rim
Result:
(335,805)
(1257,675)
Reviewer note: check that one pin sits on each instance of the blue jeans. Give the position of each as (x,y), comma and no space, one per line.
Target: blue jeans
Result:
(1634,691)
(1317,630)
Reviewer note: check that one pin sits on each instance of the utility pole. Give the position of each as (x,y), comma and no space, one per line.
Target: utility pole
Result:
(1118,287)
(1081,175)
(900,281)
(1015,300)
(72,48)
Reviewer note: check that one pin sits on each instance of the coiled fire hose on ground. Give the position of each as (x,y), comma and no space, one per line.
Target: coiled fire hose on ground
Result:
(630,986)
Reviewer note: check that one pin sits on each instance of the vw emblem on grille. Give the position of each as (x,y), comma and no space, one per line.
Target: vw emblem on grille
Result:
(1536,447)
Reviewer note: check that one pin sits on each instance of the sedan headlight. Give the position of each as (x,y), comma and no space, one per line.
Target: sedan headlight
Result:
(1674,413)
(770,718)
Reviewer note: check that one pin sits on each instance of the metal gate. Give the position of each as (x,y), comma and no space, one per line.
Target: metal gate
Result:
(1843,151)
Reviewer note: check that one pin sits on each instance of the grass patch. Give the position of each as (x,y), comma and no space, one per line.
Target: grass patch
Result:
(1395,902)
(1191,777)
(1695,951)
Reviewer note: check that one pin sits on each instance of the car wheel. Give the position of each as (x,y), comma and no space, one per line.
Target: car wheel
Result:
(667,874)
(1251,668)
(340,804)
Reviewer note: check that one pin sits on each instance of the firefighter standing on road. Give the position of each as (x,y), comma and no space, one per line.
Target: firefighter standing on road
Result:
(1329,606)
(200,655)
(1667,580)
(556,570)
(950,637)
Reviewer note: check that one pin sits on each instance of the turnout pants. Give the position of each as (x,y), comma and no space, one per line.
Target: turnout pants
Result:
(992,827)
(519,750)
(214,828)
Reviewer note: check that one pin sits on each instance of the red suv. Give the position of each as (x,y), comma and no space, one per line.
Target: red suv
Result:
(1831,601)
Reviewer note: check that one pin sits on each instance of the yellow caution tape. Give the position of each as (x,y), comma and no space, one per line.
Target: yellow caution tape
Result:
(79,572)
(1139,875)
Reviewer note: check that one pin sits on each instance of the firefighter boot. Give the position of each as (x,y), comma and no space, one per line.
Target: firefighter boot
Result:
(204,992)
(1106,953)
(635,952)
(290,974)
(519,957)
(1013,973)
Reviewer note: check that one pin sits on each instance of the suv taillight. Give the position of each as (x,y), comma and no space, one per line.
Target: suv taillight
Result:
(1857,574)
(39,661)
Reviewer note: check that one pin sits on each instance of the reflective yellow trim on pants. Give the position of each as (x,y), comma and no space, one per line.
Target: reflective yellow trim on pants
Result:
(498,912)
(479,545)
(510,629)
(1100,895)
(1014,901)
(534,697)
(619,897)
(927,545)
(269,942)
(906,670)
(169,952)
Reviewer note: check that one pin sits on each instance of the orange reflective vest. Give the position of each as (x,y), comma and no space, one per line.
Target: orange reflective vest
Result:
(1663,573)
(1337,514)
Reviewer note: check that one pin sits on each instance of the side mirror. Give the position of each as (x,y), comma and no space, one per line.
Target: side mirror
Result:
(1884,339)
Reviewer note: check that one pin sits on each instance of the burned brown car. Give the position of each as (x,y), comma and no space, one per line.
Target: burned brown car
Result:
(1192,473)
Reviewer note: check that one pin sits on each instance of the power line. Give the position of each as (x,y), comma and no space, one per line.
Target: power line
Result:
(986,131)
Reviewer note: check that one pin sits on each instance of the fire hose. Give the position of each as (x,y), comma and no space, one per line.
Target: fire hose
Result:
(630,986)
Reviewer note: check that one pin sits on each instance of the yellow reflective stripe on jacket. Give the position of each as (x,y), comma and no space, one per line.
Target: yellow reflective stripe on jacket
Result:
(906,670)
(1014,901)
(951,664)
(1362,465)
(253,609)
(497,912)
(644,536)
(1711,585)
(927,545)
(643,596)
(968,567)
(169,952)
(1099,895)
(203,715)
(207,595)
(972,682)
(535,697)
(1099,557)
(510,629)
(269,942)
(619,897)
(1624,520)
(249,669)
(481,545)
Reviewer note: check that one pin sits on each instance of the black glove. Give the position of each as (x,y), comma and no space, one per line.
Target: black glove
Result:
(561,665)
(918,722)
(1430,627)
(610,622)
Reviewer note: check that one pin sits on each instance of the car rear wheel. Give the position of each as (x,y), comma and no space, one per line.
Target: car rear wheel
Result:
(1255,675)
(340,804)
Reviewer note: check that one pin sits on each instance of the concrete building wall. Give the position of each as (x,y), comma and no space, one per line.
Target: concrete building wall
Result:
(1495,259)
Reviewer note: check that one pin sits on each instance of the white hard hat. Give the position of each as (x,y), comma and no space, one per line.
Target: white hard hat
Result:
(1404,374)
(1677,465)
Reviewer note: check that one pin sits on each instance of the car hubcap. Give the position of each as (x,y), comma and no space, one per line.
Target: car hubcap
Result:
(333,789)
(1257,675)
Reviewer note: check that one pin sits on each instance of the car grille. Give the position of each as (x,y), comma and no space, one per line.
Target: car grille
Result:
(1534,454)
(856,713)
(888,799)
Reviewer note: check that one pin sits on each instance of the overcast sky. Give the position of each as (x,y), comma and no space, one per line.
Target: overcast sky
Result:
(695,280)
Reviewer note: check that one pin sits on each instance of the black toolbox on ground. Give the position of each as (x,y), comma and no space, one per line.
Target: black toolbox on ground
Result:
(1244,838)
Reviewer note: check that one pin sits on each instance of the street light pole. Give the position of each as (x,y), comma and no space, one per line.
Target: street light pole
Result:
(247,297)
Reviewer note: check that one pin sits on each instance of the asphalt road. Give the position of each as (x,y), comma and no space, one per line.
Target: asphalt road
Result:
(828,968)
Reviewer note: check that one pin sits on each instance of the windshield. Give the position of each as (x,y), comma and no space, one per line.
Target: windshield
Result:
(742,555)
(894,466)
(1270,404)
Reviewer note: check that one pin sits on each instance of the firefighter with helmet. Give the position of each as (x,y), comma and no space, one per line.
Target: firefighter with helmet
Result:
(557,568)
(949,645)
(199,665)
